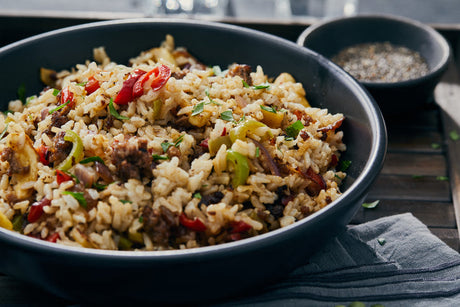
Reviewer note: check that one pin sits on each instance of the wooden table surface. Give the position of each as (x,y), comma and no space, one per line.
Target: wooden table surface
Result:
(416,176)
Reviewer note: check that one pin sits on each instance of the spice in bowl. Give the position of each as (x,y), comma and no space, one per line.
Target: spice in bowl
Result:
(381,62)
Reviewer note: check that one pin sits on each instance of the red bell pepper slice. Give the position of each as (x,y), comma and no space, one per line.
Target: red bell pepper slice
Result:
(126,93)
(240,226)
(53,238)
(67,95)
(160,74)
(43,153)
(92,85)
(62,177)
(36,210)
(194,224)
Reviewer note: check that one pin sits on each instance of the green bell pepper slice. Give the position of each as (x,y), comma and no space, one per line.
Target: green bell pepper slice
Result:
(240,167)
(242,129)
(76,154)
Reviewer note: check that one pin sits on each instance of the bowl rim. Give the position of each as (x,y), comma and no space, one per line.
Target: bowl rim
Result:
(356,190)
(435,71)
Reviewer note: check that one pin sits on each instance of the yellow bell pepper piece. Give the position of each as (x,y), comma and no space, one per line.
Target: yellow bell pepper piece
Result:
(5,222)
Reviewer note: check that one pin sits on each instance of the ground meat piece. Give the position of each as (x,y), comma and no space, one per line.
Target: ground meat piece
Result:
(173,151)
(213,198)
(180,74)
(160,224)
(60,149)
(15,167)
(132,160)
(242,70)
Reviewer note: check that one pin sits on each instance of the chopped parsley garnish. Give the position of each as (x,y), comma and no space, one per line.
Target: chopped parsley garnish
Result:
(78,196)
(381,241)
(4,131)
(59,107)
(435,145)
(100,186)
(92,159)
(124,201)
(198,108)
(22,93)
(210,99)
(288,138)
(261,86)
(82,83)
(442,178)
(257,152)
(165,145)
(141,219)
(454,136)
(197,195)
(268,109)
(227,115)
(294,129)
(56,92)
(114,112)
(159,157)
(344,165)
(371,205)
(255,87)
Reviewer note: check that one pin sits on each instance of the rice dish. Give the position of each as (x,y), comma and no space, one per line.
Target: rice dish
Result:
(164,153)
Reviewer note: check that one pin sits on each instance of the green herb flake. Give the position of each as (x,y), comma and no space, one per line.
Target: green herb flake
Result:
(257,152)
(344,165)
(197,109)
(371,205)
(435,145)
(197,195)
(288,138)
(442,178)
(454,136)
(82,83)
(227,115)
(114,112)
(268,109)
(245,84)
(179,140)
(294,129)
(56,92)
(100,186)
(77,181)
(4,131)
(159,157)
(210,99)
(382,241)
(22,93)
(261,86)
(59,107)
(165,145)
(78,196)
(92,159)
(141,219)
(125,201)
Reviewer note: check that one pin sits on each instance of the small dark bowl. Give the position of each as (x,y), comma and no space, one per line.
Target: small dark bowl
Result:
(207,273)
(330,37)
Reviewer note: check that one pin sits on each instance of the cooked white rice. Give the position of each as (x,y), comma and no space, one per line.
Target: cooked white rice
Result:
(210,157)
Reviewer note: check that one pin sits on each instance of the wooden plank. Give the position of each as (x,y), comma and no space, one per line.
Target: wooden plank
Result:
(447,95)
(432,214)
(414,140)
(420,164)
(427,188)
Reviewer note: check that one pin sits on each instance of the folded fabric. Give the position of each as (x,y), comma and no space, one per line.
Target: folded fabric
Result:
(392,261)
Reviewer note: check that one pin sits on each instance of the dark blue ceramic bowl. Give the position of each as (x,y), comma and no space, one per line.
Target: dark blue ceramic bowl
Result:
(208,273)
(329,37)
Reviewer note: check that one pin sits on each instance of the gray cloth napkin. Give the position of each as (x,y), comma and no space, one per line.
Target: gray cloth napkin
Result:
(393,261)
